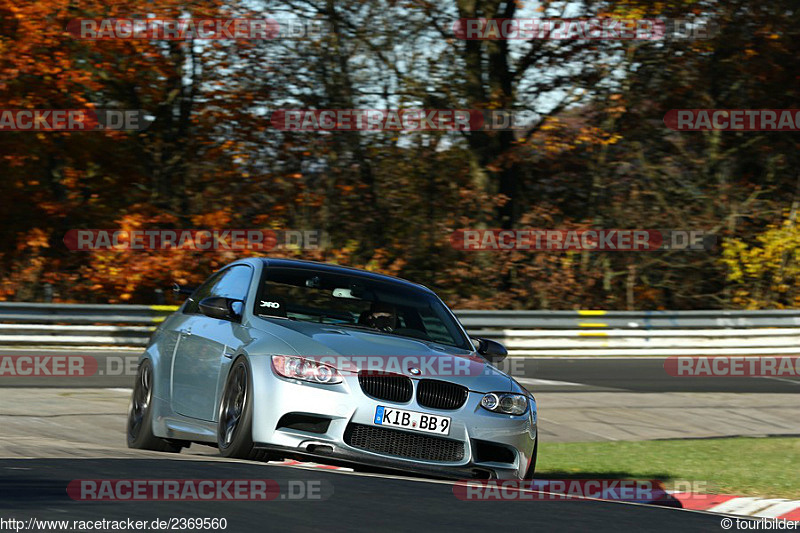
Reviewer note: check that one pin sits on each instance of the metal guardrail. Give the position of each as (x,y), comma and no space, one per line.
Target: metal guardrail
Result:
(79,324)
(38,313)
(626,333)
(525,333)
(636,320)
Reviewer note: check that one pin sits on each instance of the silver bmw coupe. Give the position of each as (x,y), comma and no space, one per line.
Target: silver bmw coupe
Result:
(274,358)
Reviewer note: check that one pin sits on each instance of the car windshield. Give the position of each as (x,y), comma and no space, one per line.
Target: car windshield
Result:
(357,301)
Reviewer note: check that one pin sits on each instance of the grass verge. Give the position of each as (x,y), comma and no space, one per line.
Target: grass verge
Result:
(768,467)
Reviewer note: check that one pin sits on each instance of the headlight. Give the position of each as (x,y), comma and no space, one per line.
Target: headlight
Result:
(305,369)
(507,404)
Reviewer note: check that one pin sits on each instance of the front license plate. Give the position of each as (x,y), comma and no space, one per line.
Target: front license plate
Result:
(389,416)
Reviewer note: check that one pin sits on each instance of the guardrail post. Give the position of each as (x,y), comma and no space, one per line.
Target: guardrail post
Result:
(48,293)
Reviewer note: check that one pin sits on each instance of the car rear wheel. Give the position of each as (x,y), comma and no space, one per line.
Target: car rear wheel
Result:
(140,414)
(235,426)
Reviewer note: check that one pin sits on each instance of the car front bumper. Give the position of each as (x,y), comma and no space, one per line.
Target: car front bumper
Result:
(346,405)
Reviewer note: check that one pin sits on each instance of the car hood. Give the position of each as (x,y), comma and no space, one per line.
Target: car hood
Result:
(361,350)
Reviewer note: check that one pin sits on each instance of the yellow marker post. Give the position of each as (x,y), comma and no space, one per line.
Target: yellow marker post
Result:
(169,308)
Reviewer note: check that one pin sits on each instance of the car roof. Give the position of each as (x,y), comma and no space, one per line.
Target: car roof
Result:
(337,269)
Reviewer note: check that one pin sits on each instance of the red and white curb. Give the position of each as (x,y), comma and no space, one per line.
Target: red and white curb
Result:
(713,503)
(290,462)
(740,505)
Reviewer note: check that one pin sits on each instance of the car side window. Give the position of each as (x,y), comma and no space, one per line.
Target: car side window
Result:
(232,283)
(203,291)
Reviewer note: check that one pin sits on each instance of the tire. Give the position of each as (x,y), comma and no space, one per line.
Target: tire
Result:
(235,425)
(532,467)
(140,414)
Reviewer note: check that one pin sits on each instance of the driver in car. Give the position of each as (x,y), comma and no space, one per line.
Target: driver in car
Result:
(382,316)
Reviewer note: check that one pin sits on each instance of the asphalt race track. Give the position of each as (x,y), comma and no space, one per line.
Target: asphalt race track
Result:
(359,502)
(634,374)
(60,429)
(640,374)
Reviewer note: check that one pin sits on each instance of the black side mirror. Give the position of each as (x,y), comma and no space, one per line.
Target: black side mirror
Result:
(493,351)
(221,307)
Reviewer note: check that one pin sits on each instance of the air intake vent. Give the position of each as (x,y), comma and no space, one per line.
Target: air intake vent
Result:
(403,444)
(388,387)
(490,452)
(303,422)
(441,394)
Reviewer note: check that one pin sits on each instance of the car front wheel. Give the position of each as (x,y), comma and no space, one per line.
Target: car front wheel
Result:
(235,426)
